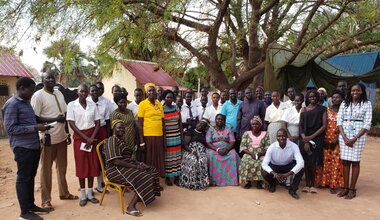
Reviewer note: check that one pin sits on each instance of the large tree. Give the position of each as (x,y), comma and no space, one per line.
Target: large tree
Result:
(229,37)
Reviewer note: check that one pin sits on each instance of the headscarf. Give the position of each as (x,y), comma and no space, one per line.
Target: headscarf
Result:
(115,122)
(258,119)
(323,90)
(147,85)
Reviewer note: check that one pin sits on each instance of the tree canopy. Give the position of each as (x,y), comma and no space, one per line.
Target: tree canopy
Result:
(229,38)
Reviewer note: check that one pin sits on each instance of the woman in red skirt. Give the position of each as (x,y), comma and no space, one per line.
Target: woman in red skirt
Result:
(84,119)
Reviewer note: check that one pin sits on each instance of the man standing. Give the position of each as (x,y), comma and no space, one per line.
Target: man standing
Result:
(202,108)
(259,93)
(213,109)
(160,90)
(340,86)
(50,107)
(283,161)
(134,106)
(189,113)
(223,99)
(230,110)
(291,93)
(249,108)
(22,129)
(204,93)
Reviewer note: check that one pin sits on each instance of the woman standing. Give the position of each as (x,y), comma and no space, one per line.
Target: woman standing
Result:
(126,116)
(273,116)
(84,119)
(194,172)
(150,116)
(291,118)
(313,122)
(354,120)
(331,173)
(254,145)
(173,139)
(222,157)
(122,169)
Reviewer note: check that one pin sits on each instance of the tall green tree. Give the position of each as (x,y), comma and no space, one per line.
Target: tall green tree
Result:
(173,31)
(69,63)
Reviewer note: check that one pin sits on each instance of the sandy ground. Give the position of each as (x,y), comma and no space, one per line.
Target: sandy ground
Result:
(214,203)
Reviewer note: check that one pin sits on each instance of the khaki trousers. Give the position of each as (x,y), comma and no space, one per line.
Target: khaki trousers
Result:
(49,154)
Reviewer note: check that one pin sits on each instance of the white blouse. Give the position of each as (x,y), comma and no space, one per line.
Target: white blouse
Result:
(83,118)
(291,116)
(274,114)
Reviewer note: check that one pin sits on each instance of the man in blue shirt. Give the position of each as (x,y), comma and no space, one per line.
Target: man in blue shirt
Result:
(22,128)
(230,110)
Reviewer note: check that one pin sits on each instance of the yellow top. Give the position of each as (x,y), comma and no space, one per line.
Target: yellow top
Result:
(153,115)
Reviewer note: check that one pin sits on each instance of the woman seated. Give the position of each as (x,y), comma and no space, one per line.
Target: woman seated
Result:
(194,172)
(222,157)
(122,169)
(254,145)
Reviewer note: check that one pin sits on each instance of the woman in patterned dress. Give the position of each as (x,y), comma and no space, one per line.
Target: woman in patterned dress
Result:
(254,144)
(124,114)
(331,173)
(354,120)
(194,172)
(222,158)
(173,139)
(121,168)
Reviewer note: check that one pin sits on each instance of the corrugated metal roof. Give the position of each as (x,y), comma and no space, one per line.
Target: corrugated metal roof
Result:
(356,63)
(10,65)
(148,72)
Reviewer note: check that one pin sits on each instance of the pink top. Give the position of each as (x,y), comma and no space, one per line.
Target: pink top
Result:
(256,140)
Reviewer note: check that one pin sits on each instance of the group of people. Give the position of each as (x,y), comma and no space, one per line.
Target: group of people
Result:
(242,138)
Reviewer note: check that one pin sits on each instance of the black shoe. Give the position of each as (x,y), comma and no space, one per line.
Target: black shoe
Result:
(30,216)
(82,202)
(293,194)
(272,188)
(39,210)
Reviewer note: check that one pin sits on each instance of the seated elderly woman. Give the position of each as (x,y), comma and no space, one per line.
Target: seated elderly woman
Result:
(122,169)
(222,157)
(194,172)
(254,144)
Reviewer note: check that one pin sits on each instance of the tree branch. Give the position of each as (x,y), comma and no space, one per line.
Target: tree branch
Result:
(268,7)
(307,22)
(353,46)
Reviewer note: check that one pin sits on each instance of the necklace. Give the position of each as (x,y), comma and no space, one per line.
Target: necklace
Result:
(197,131)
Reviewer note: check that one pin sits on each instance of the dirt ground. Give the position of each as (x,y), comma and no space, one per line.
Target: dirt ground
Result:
(214,203)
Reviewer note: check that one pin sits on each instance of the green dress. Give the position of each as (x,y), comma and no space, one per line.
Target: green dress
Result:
(250,169)
(130,129)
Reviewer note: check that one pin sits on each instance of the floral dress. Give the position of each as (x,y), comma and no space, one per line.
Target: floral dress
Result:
(250,168)
(331,174)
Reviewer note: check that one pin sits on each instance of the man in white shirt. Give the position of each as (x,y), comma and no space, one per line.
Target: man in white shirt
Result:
(291,93)
(50,107)
(102,99)
(204,93)
(223,98)
(134,106)
(189,113)
(283,160)
(213,109)
(202,108)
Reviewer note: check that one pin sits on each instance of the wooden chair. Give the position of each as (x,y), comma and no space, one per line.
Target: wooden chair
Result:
(109,185)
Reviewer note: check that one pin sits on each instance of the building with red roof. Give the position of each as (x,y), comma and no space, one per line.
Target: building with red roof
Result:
(132,74)
(11,68)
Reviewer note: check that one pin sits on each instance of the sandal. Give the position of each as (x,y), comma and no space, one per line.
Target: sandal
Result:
(93,200)
(351,194)
(343,192)
(69,197)
(247,185)
(306,189)
(48,206)
(333,191)
(313,190)
(135,213)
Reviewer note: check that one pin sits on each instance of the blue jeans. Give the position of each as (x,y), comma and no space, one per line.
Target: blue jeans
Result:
(27,164)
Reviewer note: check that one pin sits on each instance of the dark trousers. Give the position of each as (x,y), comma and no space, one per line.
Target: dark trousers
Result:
(27,164)
(237,145)
(283,169)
